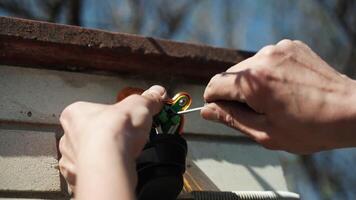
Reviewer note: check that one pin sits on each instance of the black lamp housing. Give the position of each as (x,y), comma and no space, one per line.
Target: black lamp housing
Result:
(160,167)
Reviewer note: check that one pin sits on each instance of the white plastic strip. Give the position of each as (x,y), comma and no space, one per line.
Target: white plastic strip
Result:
(266,195)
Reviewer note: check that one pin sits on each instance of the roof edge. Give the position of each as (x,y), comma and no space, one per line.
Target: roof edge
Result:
(55,46)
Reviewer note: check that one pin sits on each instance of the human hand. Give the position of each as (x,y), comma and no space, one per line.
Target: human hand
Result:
(296,101)
(96,131)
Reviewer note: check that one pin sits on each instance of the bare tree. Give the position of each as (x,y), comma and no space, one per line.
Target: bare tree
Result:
(46,10)
(137,16)
(165,17)
(74,12)
(172,17)
(344,12)
(16,8)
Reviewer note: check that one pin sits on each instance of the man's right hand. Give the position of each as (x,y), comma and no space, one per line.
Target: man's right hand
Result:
(296,101)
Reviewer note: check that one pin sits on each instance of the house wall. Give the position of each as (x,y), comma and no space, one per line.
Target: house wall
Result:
(31,101)
(94,65)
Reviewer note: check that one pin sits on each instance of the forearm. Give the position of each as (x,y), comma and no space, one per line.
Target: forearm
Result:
(105,171)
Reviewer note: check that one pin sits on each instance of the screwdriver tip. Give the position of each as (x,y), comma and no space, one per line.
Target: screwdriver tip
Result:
(190,110)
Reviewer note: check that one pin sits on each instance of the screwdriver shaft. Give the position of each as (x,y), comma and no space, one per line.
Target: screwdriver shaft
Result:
(189,110)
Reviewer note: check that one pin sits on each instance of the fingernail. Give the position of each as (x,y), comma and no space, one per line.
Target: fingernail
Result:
(209,113)
(158,90)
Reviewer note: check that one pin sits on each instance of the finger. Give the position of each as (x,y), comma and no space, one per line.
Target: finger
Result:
(243,65)
(226,86)
(68,170)
(268,49)
(65,149)
(159,90)
(155,96)
(302,45)
(127,92)
(237,116)
(286,43)
(234,84)
(67,161)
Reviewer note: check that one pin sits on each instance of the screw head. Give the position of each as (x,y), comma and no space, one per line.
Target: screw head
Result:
(183,101)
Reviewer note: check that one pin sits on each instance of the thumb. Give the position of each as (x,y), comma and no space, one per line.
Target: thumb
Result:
(155,96)
(238,116)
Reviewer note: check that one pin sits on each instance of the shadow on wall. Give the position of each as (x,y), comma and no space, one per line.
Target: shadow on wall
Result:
(237,151)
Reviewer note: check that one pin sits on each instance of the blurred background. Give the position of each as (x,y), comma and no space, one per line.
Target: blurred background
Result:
(328,26)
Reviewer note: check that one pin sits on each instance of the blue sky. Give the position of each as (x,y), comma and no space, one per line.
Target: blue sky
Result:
(254,25)
(256,33)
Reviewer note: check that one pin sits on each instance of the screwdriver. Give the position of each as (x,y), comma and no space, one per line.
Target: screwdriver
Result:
(190,110)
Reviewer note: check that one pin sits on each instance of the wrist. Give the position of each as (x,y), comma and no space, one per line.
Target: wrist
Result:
(352,101)
(105,166)
(349,129)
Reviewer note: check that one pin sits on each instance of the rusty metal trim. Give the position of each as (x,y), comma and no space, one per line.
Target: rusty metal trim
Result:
(54,46)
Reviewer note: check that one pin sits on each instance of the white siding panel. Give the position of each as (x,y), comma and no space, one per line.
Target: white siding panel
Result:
(234,166)
(39,96)
(28,161)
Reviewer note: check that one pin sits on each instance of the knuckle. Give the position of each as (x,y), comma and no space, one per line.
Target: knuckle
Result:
(125,116)
(152,96)
(62,166)
(270,55)
(233,68)
(261,72)
(210,87)
(264,75)
(215,78)
(270,50)
(67,170)
(207,93)
(143,103)
(141,111)
(151,100)
(270,146)
(134,101)
(61,145)
(75,105)
(229,120)
(135,98)
(64,115)
(260,139)
(60,163)
(70,110)
(298,42)
(285,42)
(302,45)
(286,45)
(267,142)
(62,119)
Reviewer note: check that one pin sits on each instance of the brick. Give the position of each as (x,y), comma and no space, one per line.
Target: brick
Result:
(28,161)
(238,166)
